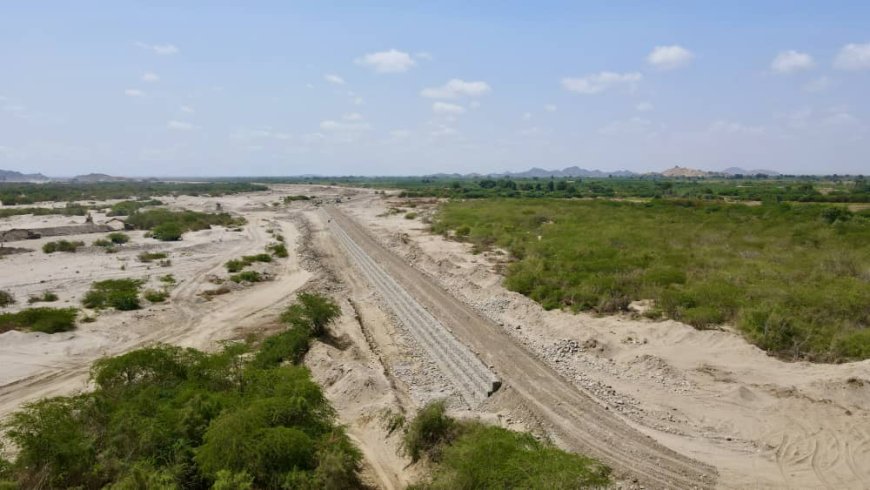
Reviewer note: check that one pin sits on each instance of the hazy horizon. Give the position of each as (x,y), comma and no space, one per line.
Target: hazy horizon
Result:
(390,88)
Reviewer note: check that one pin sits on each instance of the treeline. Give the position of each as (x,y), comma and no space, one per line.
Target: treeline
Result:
(16,193)
(170,418)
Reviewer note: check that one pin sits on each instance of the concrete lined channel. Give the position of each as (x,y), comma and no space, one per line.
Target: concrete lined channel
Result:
(473,379)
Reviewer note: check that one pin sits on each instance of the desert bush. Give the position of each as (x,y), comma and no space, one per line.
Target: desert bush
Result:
(493,458)
(118,238)
(146,257)
(126,208)
(62,246)
(313,312)
(102,242)
(168,280)
(278,250)
(155,296)
(45,320)
(46,297)
(429,432)
(167,225)
(6,299)
(237,265)
(410,215)
(246,276)
(167,232)
(121,294)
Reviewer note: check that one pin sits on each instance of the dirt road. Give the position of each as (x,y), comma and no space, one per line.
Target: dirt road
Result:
(575,417)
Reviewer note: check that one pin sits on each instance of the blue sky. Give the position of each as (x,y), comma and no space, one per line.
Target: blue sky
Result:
(372,88)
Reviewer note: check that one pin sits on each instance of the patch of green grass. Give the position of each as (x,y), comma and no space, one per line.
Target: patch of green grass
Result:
(246,276)
(62,246)
(278,250)
(237,265)
(118,238)
(155,296)
(46,297)
(168,280)
(45,320)
(793,278)
(146,257)
(121,294)
(472,455)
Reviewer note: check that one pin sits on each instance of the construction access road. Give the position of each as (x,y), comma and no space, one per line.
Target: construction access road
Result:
(577,419)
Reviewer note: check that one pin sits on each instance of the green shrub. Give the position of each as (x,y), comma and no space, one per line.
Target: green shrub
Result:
(102,242)
(290,345)
(155,296)
(62,246)
(118,238)
(168,280)
(167,232)
(121,294)
(235,265)
(494,458)
(278,250)
(6,299)
(313,312)
(250,259)
(46,297)
(46,320)
(411,215)
(429,432)
(246,276)
(126,208)
(146,257)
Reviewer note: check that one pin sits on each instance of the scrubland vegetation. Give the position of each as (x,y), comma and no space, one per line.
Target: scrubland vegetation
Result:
(472,455)
(70,209)
(237,265)
(167,417)
(121,294)
(45,320)
(45,297)
(21,193)
(793,278)
(126,208)
(6,299)
(146,257)
(62,246)
(167,225)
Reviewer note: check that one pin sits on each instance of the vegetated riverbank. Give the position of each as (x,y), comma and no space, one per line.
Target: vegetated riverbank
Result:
(792,278)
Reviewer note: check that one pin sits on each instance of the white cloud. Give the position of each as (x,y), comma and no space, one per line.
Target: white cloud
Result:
(644,107)
(527,116)
(456,88)
(400,133)
(181,126)
(334,79)
(550,108)
(853,57)
(669,57)
(161,49)
(600,82)
(352,116)
(444,108)
(391,61)
(150,77)
(132,92)
(791,61)
(729,127)
(346,126)
(818,85)
(358,101)
(187,109)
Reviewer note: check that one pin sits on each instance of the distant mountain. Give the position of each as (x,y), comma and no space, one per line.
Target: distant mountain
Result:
(567,172)
(740,171)
(13,176)
(679,171)
(90,178)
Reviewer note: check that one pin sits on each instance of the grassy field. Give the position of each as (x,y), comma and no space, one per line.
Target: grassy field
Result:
(794,278)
